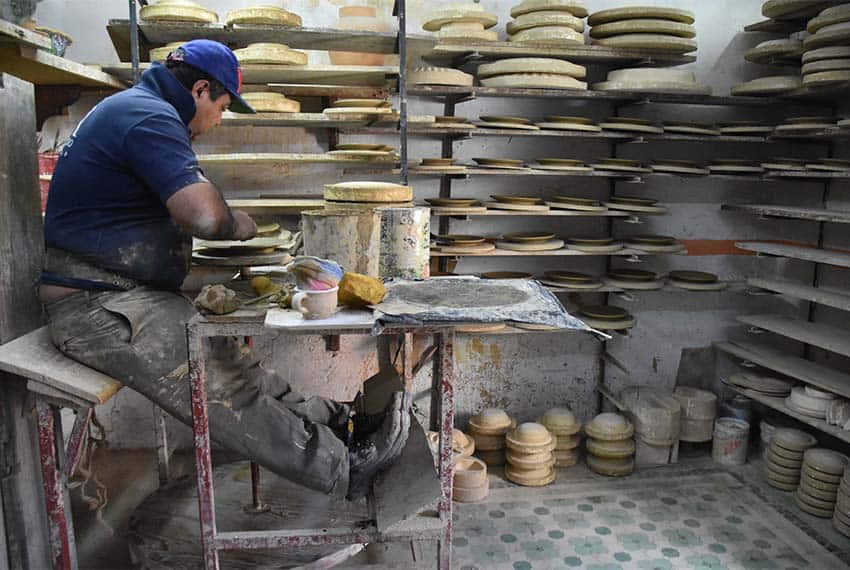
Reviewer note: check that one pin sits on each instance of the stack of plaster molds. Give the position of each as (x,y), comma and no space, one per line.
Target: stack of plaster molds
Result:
(462,23)
(654,28)
(550,23)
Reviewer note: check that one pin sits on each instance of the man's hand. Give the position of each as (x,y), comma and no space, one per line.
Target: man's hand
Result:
(245,226)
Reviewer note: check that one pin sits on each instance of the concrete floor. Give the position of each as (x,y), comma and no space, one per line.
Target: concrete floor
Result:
(131,475)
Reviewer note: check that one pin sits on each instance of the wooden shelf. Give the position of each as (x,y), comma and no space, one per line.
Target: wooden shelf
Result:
(517,213)
(552,253)
(474,171)
(809,214)
(361,75)
(276,206)
(306,120)
(778,404)
(325,39)
(836,258)
(23,54)
(795,367)
(272,158)
(827,337)
(806,292)
(448,54)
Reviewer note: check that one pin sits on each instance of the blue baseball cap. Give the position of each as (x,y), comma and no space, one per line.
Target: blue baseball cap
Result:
(216,60)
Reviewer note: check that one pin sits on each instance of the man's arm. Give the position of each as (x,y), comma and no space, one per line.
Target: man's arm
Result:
(200,210)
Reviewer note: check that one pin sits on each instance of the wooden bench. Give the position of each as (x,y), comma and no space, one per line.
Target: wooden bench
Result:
(59,382)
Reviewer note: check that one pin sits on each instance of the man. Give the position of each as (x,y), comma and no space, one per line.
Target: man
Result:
(127,196)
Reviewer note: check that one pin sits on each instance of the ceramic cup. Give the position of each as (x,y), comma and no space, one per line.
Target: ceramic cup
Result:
(315,304)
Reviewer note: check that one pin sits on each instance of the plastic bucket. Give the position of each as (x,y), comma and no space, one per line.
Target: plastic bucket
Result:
(730,441)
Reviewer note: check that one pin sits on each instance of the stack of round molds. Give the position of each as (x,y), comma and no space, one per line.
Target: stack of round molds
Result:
(529,455)
(653,28)
(610,446)
(470,483)
(466,22)
(488,430)
(826,59)
(533,73)
(562,423)
(783,459)
(177,11)
(820,478)
(547,23)
(841,518)
(362,194)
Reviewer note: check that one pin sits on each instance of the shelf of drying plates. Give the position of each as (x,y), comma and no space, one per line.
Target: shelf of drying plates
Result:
(278,206)
(435,211)
(804,253)
(552,253)
(823,336)
(309,121)
(273,158)
(817,295)
(790,212)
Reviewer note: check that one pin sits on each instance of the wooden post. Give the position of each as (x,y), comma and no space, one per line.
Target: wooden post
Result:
(21,246)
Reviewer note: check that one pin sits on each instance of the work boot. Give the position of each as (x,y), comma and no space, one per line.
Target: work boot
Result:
(371,453)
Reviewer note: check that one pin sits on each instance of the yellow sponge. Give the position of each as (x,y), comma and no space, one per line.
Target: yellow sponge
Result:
(356,290)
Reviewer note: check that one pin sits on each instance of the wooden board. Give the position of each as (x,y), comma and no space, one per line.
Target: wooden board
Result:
(778,404)
(307,120)
(161,33)
(33,356)
(325,90)
(446,53)
(10,33)
(311,74)
(837,258)
(812,373)
(276,205)
(514,213)
(43,68)
(272,158)
(811,214)
(812,294)
(823,336)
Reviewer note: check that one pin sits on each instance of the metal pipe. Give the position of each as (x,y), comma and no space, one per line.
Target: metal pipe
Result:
(402,86)
(134,41)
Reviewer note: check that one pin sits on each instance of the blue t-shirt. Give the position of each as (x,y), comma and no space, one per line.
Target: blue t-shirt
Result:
(107,198)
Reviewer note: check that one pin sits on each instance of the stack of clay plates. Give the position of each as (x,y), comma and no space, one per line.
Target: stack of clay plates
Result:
(830,29)
(270,54)
(444,165)
(606,318)
(532,73)
(570,280)
(500,163)
(841,518)
(819,482)
(829,165)
(445,122)
(655,243)
(530,241)
(653,28)
(765,385)
(440,76)
(699,408)
(263,15)
(488,429)
(631,125)
(461,205)
(228,253)
(652,80)
(561,165)
(691,128)
(547,23)
(563,424)
(177,11)
(370,107)
(529,455)
(161,53)
(784,457)
(634,279)
(620,165)
(809,401)
(695,281)
(785,164)
(270,102)
(678,167)
(635,204)
(610,445)
(462,21)
(518,203)
(826,65)
(586,244)
(784,51)
(466,244)
(576,204)
(504,122)
(745,129)
(563,123)
(369,194)
(735,166)
(470,483)
(802,126)
(772,85)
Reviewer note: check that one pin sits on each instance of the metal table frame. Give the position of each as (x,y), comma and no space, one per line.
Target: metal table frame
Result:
(212,540)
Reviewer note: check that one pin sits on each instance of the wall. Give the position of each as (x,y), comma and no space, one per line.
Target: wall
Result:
(528,373)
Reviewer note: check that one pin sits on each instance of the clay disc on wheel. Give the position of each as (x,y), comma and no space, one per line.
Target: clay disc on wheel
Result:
(269,53)
(645,26)
(574,7)
(544,18)
(545,65)
(363,191)
(640,12)
(265,15)
(548,36)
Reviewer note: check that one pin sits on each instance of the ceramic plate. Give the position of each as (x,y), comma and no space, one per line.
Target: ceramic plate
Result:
(528,237)
(529,200)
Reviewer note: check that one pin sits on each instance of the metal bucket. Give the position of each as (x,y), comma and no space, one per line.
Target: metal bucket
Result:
(352,238)
(730,441)
(405,239)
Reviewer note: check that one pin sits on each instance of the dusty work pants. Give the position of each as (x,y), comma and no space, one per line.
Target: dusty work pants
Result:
(139,338)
